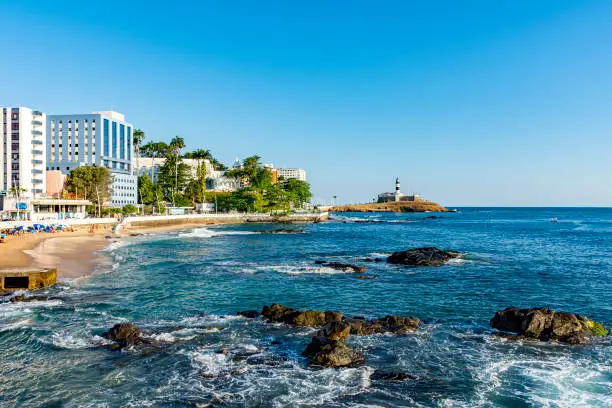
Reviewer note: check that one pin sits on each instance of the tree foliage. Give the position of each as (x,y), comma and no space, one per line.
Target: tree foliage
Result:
(91,182)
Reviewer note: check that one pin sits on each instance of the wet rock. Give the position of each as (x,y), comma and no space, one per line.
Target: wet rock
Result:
(135,234)
(333,316)
(283,231)
(339,266)
(391,376)
(250,314)
(430,256)
(329,349)
(388,324)
(309,318)
(279,313)
(125,335)
(366,277)
(21,298)
(223,350)
(398,324)
(546,325)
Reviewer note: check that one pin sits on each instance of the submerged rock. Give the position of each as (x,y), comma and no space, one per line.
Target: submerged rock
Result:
(21,298)
(125,335)
(342,266)
(429,256)
(391,375)
(282,231)
(547,325)
(250,314)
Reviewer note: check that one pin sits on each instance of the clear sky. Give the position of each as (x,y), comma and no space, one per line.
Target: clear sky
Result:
(469,102)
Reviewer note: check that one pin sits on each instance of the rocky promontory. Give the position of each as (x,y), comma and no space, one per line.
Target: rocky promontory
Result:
(547,325)
(395,206)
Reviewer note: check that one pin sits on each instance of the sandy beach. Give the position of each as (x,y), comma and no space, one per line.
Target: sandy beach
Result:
(71,253)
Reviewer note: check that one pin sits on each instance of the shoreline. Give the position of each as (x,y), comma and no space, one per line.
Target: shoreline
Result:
(75,253)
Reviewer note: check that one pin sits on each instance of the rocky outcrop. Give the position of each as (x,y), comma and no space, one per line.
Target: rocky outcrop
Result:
(429,256)
(547,325)
(395,206)
(282,231)
(342,266)
(21,298)
(249,314)
(389,324)
(125,335)
(329,349)
(284,314)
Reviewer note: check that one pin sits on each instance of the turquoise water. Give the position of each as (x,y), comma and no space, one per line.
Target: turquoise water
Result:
(178,285)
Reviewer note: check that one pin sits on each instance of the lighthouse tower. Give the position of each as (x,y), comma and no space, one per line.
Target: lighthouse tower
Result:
(398,194)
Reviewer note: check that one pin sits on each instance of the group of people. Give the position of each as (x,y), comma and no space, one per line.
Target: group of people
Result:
(33,229)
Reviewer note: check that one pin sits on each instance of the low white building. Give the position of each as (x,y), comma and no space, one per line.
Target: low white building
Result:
(41,209)
(22,150)
(215,179)
(298,174)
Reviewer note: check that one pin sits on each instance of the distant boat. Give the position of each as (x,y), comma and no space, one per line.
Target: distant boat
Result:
(555,219)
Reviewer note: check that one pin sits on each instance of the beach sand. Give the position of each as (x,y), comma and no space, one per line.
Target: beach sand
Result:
(72,253)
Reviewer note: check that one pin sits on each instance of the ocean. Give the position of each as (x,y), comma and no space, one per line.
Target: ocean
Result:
(185,287)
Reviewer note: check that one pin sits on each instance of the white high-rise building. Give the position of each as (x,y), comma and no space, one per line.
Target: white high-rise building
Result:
(22,150)
(96,139)
(299,174)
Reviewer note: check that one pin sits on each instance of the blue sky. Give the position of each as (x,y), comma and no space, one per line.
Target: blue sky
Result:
(470,103)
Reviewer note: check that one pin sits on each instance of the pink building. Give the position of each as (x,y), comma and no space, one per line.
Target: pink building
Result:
(55,183)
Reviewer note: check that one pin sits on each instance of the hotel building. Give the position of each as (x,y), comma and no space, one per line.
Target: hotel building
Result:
(22,150)
(96,139)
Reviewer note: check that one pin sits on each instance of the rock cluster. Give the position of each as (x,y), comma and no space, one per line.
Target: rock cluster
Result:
(429,256)
(342,266)
(328,347)
(547,325)
(125,335)
(282,231)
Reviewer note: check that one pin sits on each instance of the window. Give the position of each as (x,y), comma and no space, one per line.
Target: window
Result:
(122,142)
(106,141)
(114,152)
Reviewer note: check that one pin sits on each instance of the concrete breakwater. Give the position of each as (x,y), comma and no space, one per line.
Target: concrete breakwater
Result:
(26,279)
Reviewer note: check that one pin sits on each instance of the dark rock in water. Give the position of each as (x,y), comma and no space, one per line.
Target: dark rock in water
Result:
(283,231)
(251,314)
(320,262)
(342,266)
(333,316)
(125,335)
(391,375)
(285,314)
(388,324)
(398,324)
(429,256)
(329,349)
(366,277)
(135,234)
(433,217)
(224,350)
(369,260)
(279,313)
(546,325)
(21,298)
(309,318)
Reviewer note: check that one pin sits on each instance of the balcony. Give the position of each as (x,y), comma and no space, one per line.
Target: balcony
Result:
(37,162)
(37,152)
(36,171)
(36,181)
(37,133)
(36,113)
(36,123)
(37,142)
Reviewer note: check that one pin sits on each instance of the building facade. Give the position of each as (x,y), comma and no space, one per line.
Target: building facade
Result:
(22,150)
(96,139)
(298,174)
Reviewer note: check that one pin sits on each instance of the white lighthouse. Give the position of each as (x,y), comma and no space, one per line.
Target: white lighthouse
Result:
(398,194)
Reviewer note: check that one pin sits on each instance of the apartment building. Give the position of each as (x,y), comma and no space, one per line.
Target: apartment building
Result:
(22,151)
(299,174)
(97,139)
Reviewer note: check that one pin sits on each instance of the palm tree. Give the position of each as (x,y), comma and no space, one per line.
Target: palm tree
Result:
(16,191)
(176,144)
